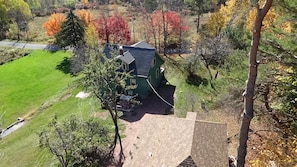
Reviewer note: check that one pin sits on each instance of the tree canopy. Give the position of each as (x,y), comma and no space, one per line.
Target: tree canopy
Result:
(71,33)
(53,25)
(76,142)
(113,29)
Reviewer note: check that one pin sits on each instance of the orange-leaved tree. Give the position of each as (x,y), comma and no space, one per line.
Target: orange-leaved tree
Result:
(53,25)
(85,16)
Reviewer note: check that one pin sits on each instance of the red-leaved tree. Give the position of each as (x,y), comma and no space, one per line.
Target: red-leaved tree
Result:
(114,29)
(166,25)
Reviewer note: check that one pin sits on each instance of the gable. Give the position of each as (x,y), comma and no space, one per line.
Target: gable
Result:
(126,57)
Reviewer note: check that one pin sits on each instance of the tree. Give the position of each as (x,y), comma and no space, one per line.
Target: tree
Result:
(166,25)
(71,33)
(33,4)
(199,6)
(19,12)
(270,17)
(4,20)
(85,16)
(150,5)
(75,142)
(53,25)
(250,85)
(114,29)
(104,80)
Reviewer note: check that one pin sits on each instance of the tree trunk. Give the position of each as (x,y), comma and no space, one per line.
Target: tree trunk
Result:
(250,85)
(198,21)
(165,25)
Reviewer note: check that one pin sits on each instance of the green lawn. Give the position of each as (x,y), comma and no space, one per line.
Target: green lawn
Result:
(21,148)
(34,83)
(28,82)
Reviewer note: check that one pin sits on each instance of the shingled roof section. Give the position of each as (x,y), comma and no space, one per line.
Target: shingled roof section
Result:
(209,146)
(184,142)
(127,57)
(161,141)
(143,45)
(143,59)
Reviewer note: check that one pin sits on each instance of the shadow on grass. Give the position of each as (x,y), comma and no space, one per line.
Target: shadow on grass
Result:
(196,80)
(64,66)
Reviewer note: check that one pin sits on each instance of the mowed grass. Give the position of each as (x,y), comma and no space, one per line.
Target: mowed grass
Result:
(28,82)
(21,148)
(34,83)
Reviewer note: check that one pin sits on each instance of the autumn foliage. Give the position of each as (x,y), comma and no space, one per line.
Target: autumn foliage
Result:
(85,16)
(267,22)
(114,29)
(166,28)
(172,21)
(53,25)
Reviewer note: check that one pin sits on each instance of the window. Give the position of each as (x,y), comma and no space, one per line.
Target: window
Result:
(153,63)
(132,81)
(125,66)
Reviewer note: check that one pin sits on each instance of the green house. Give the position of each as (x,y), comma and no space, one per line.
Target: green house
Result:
(144,63)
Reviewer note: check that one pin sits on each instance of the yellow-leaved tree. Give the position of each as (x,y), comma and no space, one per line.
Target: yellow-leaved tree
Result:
(91,36)
(225,15)
(267,22)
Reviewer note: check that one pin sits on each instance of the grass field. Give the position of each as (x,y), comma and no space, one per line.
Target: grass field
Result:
(28,82)
(31,84)
(21,148)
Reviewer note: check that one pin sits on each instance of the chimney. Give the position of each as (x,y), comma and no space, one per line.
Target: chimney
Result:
(121,50)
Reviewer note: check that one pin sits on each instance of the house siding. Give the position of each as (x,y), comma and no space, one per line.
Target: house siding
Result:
(156,80)
(143,89)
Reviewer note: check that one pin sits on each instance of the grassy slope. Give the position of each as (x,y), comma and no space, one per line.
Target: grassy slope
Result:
(186,94)
(27,82)
(21,147)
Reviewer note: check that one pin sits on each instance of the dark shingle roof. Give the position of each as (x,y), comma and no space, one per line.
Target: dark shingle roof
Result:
(142,53)
(127,57)
(143,58)
(143,45)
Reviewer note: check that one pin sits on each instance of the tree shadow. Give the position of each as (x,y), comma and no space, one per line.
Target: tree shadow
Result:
(196,80)
(64,66)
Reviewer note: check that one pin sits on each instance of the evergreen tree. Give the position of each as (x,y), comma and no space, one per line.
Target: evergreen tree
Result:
(71,33)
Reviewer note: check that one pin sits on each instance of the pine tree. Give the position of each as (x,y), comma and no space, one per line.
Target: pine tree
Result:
(71,33)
